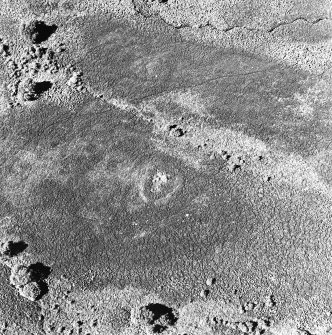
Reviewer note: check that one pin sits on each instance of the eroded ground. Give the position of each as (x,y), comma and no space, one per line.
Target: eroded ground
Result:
(151,183)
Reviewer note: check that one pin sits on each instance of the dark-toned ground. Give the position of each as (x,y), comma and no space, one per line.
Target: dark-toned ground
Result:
(170,183)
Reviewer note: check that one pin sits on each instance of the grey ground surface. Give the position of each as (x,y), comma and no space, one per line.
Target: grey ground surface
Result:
(166,167)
